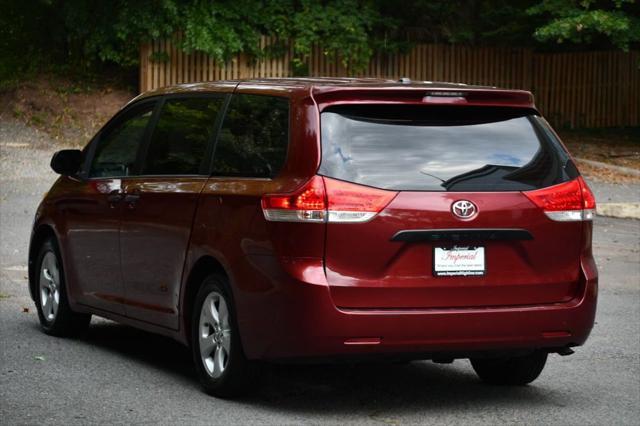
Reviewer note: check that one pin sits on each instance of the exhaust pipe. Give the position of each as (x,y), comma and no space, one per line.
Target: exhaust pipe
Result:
(565,351)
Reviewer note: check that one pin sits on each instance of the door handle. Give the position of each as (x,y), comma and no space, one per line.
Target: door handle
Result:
(132,198)
(114,197)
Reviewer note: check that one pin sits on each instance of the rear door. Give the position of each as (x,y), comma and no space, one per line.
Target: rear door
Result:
(460,230)
(159,206)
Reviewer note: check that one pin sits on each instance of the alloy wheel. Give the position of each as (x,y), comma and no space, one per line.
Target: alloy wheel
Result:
(49,286)
(214,334)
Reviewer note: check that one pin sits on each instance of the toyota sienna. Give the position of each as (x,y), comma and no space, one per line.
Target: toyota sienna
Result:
(324,219)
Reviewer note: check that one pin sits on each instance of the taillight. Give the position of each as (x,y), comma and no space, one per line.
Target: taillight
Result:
(326,200)
(349,202)
(569,201)
(307,204)
(588,199)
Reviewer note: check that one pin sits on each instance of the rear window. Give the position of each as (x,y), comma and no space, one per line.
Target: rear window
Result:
(427,148)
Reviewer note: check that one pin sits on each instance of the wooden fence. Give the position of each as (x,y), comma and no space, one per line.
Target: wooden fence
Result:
(585,89)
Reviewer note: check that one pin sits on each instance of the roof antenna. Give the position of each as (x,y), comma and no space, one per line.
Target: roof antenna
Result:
(404,80)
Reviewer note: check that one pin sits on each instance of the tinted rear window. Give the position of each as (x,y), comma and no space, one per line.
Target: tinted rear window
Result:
(426,148)
(254,137)
(180,139)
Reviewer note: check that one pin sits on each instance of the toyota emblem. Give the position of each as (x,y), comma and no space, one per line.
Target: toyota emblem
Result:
(464,209)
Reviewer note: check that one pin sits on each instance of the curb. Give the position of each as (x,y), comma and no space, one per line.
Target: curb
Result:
(619,210)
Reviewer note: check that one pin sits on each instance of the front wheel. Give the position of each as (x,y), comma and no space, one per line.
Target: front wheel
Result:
(54,313)
(220,363)
(517,370)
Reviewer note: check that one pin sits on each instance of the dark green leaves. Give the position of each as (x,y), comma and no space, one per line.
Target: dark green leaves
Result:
(581,22)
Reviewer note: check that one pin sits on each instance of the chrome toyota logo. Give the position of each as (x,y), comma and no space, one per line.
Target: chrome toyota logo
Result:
(464,209)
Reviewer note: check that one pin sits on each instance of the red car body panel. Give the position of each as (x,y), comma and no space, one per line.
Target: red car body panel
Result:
(153,237)
(367,270)
(317,289)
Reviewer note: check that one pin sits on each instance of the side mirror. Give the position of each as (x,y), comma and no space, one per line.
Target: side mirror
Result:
(67,162)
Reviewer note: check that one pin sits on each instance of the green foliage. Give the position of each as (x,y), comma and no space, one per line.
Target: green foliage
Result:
(337,27)
(223,29)
(78,35)
(27,34)
(475,22)
(112,30)
(583,21)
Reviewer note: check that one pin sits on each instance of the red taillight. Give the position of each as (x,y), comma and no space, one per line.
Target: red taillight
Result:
(569,201)
(566,196)
(326,200)
(588,199)
(307,204)
(349,202)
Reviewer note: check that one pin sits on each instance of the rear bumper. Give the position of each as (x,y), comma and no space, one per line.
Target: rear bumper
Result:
(309,325)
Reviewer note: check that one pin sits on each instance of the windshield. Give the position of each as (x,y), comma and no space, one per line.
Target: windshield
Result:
(426,148)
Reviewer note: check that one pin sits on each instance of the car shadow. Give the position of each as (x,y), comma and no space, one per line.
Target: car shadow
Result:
(373,388)
(383,387)
(153,350)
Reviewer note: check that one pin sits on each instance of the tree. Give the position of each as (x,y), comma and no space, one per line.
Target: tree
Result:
(588,21)
(81,34)
(112,30)
(470,22)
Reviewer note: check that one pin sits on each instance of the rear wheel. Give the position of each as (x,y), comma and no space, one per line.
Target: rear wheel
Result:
(221,365)
(518,370)
(54,313)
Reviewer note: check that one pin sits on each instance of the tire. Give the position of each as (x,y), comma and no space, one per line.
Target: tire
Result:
(220,362)
(514,371)
(55,315)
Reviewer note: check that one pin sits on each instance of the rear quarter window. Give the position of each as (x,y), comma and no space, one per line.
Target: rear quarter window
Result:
(254,137)
(427,148)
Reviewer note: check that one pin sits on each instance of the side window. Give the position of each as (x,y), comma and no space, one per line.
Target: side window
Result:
(118,145)
(180,139)
(254,137)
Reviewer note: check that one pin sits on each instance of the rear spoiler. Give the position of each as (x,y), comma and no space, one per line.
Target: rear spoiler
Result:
(423,95)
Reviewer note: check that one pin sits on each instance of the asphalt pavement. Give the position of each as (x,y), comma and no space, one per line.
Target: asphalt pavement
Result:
(117,374)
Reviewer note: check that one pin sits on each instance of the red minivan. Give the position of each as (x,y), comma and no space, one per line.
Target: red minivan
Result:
(321,218)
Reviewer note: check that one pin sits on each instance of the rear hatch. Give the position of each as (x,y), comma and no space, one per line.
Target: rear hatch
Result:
(463,221)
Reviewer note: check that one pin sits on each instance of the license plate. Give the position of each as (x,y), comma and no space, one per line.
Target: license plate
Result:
(456,261)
